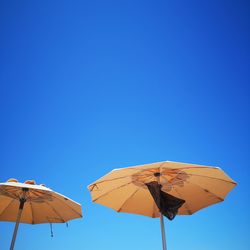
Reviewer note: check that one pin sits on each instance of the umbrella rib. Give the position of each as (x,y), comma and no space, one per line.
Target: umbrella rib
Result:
(7,206)
(232,182)
(69,206)
(128,199)
(114,179)
(164,177)
(37,192)
(202,175)
(6,192)
(206,190)
(111,191)
(161,166)
(118,178)
(54,212)
(40,192)
(32,212)
(191,168)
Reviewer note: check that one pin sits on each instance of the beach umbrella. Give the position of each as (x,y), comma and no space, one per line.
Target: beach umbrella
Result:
(163,188)
(34,204)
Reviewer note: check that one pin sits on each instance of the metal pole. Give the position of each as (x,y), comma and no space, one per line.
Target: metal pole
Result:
(21,205)
(163,236)
(22,201)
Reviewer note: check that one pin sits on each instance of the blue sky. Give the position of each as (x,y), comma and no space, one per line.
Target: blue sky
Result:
(88,86)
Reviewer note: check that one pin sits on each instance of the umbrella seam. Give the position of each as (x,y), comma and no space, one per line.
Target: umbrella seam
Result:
(206,190)
(128,199)
(111,191)
(32,212)
(117,170)
(205,167)
(114,179)
(55,194)
(205,176)
(185,204)
(10,194)
(37,194)
(161,166)
(70,207)
(54,211)
(7,206)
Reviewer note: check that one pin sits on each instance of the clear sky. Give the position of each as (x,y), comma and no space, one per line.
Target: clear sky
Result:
(88,86)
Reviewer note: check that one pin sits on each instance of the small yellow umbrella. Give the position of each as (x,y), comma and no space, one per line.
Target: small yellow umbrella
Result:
(34,204)
(167,188)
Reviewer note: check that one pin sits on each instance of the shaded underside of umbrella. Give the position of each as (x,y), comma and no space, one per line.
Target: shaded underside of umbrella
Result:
(163,188)
(42,205)
(125,189)
(34,204)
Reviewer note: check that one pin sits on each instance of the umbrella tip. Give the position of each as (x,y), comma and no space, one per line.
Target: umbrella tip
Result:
(31,182)
(12,180)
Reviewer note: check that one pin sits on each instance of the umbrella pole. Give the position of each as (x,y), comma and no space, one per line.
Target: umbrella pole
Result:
(163,236)
(22,201)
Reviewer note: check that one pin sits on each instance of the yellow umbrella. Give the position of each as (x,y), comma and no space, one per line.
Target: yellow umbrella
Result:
(34,204)
(167,188)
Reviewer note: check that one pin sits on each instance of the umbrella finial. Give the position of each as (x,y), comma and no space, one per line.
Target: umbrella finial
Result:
(31,182)
(12,180)
(157,174)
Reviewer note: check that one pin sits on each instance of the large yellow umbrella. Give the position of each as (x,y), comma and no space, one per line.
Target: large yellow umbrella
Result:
(34,204)
(167,188)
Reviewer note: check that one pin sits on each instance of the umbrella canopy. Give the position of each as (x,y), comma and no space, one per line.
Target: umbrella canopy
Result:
(125,189)
(167,188)
(42,205)
(34,204)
